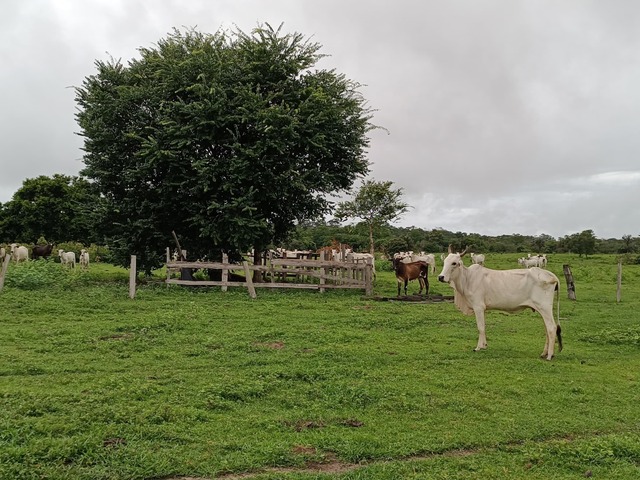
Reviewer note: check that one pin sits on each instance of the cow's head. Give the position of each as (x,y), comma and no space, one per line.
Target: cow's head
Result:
(452,263)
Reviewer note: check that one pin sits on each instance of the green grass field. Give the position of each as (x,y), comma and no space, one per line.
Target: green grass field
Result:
(300,385)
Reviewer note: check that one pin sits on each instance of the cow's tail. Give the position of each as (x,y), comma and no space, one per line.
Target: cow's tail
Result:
(558,328)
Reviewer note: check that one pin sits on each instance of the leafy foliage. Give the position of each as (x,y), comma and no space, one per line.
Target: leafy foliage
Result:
(40,274)
(228,139)
(375,203)
(583,243)
(57,208)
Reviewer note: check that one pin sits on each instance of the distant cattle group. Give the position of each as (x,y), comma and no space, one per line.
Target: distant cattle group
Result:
(21,253)
(533,261)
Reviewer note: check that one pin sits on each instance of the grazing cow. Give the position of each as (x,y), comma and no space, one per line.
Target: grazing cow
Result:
(411,271)
(41,251)
(477,289)
(84,258)
(428,258)
(19,253)
(477,258)
(67,258)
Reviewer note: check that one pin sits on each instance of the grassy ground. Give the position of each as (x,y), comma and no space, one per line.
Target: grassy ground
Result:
(300,385)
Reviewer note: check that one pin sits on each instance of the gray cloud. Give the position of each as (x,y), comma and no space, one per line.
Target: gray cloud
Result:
(501,116)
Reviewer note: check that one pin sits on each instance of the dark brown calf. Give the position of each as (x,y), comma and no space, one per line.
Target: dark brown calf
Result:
(411,271)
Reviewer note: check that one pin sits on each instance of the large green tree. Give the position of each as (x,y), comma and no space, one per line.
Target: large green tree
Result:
(229,139)
(583,243)
(375,204)
(58,208)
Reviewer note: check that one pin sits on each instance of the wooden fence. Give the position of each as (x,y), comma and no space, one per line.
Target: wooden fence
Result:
(318,274)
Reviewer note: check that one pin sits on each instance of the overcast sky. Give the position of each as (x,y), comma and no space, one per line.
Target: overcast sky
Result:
(501,116)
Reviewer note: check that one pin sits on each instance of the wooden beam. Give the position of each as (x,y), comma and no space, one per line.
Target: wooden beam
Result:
(571,287)
(252,290)
(3,272)
(133,274)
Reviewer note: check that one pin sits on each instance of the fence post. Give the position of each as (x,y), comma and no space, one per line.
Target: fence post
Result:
(322,271)
(368,277)
(168,260)
(132,277)
(271,274)
(247,274)
(619,289)
(225,272)
(571,287)
(5,265)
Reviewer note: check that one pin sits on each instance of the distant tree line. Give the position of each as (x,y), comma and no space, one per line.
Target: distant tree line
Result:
(392,239)
(69,209)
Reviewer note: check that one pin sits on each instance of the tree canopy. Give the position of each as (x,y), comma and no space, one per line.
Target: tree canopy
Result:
(229,139)
(375,203)
(58,208)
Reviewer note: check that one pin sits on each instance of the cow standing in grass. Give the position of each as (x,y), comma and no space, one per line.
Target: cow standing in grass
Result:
(411,271)
(41,251)
(477,289)
(20,253)
(84,258)
(67,258)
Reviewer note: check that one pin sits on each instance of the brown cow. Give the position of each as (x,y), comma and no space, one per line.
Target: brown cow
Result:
(411,271)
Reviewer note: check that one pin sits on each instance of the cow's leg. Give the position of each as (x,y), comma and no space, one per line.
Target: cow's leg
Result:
(550,327)
(406,282)
(482,337)
(399,285)
(421,282)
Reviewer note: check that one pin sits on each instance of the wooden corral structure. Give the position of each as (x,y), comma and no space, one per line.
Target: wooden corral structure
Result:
(299,273)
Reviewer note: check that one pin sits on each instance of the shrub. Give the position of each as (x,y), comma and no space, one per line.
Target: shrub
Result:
(34,275)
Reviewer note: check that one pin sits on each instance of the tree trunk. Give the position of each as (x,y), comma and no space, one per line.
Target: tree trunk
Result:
(257,260)
(371,246)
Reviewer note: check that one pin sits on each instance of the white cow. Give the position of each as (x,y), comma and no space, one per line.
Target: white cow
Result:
(477,289)
(3,253)
(428,258)
(19,253)
(362,257)
(529,262)
(477,258)
(542,260)
(84,258)
(67,258)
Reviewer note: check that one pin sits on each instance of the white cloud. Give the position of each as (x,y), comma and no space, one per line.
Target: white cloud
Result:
(503,117)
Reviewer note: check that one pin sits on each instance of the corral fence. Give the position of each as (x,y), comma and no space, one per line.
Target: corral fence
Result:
(298,273)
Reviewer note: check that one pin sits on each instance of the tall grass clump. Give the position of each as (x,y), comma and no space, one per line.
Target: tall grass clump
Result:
(39,274)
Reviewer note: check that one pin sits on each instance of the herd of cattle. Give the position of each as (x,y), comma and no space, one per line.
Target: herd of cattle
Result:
(476,288)
(20,253)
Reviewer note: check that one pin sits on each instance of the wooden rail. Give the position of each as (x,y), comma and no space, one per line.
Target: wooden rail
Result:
(305,274)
